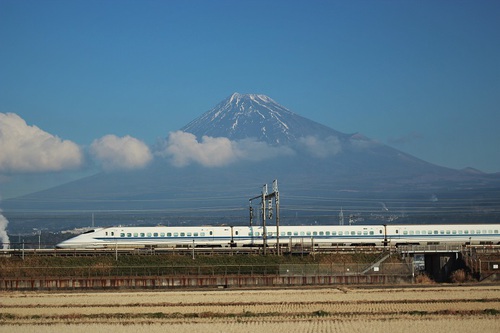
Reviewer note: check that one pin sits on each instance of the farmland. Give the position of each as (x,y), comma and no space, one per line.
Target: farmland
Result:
(423,309)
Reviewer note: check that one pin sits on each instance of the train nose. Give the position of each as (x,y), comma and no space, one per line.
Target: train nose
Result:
(63,245)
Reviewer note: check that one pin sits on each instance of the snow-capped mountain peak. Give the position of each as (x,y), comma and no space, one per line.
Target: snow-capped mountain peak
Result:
(256,116)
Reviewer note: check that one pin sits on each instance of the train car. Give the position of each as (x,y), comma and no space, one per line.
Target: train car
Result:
(474,234)
(326,235)
(224,236)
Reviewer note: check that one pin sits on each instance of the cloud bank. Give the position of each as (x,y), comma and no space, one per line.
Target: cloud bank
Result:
(25,148)
(120,153)
(183,149)
(322,148)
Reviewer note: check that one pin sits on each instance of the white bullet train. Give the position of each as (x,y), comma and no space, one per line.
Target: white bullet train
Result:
(326,235)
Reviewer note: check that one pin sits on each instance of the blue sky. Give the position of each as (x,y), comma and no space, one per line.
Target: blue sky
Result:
(421,76)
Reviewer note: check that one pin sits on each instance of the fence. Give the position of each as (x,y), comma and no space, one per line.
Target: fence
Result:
(209,270)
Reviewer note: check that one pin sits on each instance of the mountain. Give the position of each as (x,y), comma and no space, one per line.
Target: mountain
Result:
(258,117)
(242,116)
(320,171)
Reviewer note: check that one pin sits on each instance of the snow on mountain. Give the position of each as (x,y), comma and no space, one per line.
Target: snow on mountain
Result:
(242,116)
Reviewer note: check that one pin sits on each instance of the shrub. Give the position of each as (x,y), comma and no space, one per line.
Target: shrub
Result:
(460,276)
(423,279)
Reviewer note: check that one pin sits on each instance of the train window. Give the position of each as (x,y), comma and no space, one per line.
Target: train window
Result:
(496,231)
(302,233)
(256,233)
(136,234)
(295,233)
(129,234)
(189,234)
(340,233)
(122,234)
(417,232)
(236,232)
(460,232)
(454,232)
(195,234)
(321,233)
(106,233)
(365,232)
(429,232)
(183,234)
(380,231)
(371,232)
(478,231)
(353,233)
(283,233)
(176,234)
(142,234)
(485,232)
(289,233)
(162,234)
(405,232)
(490,231)
(447,232)
(202,234)
(466,232)
(112,233)
(315,233)
(149,234)
(441,232)
(412,232)
(308,233)
(359,233)
(169,234)
(250,233)
(327,233)
(211,233)
(155,234)
(397,231)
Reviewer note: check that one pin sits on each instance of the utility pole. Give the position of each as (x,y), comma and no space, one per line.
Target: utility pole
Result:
(266,199)
(277,201)
(264,231)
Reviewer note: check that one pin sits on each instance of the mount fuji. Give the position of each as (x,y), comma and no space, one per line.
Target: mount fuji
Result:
(222,158)
(242,116)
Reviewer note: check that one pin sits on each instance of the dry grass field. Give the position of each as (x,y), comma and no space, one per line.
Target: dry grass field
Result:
(420,309)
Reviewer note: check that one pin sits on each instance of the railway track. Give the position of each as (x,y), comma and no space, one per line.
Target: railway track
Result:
(184,251)
(240,250)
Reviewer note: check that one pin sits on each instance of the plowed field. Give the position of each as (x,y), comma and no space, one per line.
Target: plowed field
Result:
(426,309)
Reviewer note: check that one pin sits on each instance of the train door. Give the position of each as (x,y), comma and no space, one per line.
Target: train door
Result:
(232,243)
(386,240)
(392,234)
(211,236)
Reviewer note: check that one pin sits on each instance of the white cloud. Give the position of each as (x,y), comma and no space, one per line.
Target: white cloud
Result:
(125,153)
(329,146)
(25,148)
(183,149)
(250,149)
